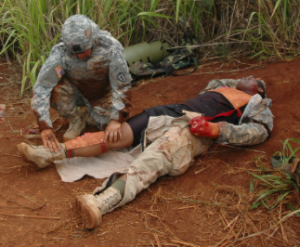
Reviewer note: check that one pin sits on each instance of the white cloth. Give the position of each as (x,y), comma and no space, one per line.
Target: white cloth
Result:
(101,166)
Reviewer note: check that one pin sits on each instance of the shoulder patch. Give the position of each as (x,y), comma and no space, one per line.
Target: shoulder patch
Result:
(121,77)
(59,71)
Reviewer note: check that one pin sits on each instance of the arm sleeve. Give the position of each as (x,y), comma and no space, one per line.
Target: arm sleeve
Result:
(244,134)
(220,83)
(49,76)
(120,80)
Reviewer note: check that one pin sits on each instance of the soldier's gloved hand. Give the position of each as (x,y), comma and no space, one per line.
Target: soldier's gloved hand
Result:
(200,127)
(49,140)
(113,131)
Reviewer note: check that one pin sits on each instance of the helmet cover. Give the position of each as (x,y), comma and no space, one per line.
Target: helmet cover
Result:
(77,34)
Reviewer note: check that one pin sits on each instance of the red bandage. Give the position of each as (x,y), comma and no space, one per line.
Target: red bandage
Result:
(103,148)
(70,153)
(200,127)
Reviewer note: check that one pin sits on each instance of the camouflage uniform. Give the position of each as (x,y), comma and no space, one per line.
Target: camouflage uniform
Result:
(100,83)
(255,123)
(173,147)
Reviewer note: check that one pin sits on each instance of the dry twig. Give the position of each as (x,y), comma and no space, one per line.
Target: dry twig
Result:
(31,216)
(157,240)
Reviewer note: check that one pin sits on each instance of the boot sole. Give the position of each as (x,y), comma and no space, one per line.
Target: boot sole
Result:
(21,150)
(90,214)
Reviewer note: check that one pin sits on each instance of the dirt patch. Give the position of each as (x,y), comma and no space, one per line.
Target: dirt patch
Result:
(207,206)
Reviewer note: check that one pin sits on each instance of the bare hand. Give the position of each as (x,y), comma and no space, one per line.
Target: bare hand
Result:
(49,140)
(112,131)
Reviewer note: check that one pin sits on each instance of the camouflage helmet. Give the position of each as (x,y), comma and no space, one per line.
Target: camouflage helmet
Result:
(77,34)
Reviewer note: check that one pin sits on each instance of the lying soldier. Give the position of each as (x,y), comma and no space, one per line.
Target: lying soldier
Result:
(226,111)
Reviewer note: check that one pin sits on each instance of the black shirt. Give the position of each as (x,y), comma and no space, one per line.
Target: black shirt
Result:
(211,104)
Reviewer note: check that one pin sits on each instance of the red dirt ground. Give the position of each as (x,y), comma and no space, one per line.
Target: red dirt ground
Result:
(38,209)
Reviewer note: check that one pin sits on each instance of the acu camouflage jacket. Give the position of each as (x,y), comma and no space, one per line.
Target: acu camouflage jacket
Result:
(105,70)
(255,123)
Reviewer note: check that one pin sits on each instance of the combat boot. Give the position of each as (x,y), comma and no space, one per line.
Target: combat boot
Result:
(76,126)
(92,207)
(39,156)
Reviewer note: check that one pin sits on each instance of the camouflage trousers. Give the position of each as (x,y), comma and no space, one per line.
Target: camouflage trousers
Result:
(66,99)
(171,154)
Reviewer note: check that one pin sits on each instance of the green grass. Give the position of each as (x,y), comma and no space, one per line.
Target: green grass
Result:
(273,186)
(29,28)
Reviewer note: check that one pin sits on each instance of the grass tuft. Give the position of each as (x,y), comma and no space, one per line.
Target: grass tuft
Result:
(274,186)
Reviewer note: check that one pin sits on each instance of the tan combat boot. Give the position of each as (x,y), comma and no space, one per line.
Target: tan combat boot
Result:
(76,126)
(92,207)
(39,156)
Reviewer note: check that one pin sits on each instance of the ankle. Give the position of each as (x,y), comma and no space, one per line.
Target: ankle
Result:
(70,153)
(119,185)
(108,199)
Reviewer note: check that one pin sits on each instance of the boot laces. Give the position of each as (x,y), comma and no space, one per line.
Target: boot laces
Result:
(110,201)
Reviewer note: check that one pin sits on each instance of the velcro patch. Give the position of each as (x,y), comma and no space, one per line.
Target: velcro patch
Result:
(121,77)
(59,71)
